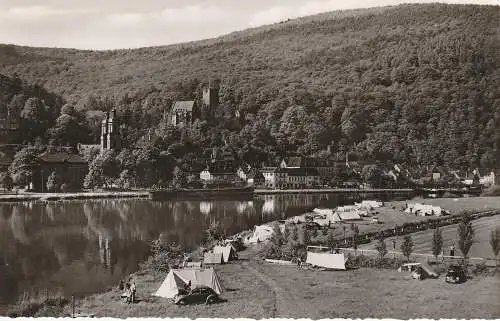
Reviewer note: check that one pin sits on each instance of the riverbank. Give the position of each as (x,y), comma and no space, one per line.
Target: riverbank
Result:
(258,290)
(334,190)
(25,197)
(255,289)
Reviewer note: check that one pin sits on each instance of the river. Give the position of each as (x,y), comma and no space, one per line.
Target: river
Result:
(86,246)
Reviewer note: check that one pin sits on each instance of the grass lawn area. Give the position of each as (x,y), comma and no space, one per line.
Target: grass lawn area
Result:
(255,290)
(423,240)
(391,215)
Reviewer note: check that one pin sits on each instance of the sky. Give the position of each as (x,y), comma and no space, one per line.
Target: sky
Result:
(113,24)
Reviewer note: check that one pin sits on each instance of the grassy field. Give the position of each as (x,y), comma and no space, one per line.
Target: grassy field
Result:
(391,214)
(423,239)
(256,290)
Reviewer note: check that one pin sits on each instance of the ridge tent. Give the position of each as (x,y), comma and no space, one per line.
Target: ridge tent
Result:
(327,260)
(213,258)
(178,279)
(429,271)
(349,216)
(323,211)
(226,251)
(261,233)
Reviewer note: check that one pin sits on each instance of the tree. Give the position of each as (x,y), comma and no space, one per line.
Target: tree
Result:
(6,181)
(465,236)
(179,179)
(407,246)
(53,182)
(495,242)
(306,238)
(286,233)
(214,232)
(355,236)
(330,240)
(103,170)
(23,166)
(437,242)
(381,247)
(295,234)
(277,238)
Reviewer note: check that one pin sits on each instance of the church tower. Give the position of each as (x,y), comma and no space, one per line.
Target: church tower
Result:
(110,135)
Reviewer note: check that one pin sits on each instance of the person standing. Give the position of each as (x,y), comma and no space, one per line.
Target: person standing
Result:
(452,250)
(132,291)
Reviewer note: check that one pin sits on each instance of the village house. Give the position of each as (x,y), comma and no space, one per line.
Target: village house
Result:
(325,167)
(70,168)
(278,177)
(219,172)
(252,176)
(486,176)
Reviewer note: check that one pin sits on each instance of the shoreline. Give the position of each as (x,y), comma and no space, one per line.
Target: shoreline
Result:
(333,190)
(28,197)
(146,194)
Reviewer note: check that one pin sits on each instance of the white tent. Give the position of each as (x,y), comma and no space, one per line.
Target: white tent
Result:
(323,211)
(423,209)
(369,204)
(347,208)
(349,216)
(178,279)
(326,260)
(261,233)
(227,252)
(213,258)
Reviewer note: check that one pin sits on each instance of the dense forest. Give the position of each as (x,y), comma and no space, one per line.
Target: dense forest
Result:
(415,84)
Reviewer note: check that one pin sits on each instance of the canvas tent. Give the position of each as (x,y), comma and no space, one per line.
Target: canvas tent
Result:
(369,204)
(326,260)
(213,258)
(349,216)
(424,209)
(323,211)
(261,233)
(228,252)
(178,279)
(193,264)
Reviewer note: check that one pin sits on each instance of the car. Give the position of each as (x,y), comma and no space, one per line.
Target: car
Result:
(201,294)
(455,274)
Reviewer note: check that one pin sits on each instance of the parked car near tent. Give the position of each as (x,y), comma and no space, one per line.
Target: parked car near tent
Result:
(455,274)
(202,294)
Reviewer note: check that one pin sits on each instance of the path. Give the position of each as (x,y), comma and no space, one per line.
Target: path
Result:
(286,302)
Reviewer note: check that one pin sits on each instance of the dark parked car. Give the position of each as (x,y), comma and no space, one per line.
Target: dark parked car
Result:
(455,274)
(202,294)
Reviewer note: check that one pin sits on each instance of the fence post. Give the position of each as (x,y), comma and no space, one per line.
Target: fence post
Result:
(73,305)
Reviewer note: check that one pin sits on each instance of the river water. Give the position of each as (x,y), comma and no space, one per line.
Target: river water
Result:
(82,247)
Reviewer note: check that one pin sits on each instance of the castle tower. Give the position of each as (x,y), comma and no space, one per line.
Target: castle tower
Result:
(110,135)
(210,99)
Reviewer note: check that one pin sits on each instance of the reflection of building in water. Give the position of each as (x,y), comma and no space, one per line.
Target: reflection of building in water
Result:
(206,207)
(268,207)
(105,249)
(243,207)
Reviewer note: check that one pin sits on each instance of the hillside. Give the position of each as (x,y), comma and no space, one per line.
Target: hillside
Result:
(413,83)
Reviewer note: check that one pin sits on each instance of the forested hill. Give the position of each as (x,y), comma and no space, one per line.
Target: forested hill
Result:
(418,83)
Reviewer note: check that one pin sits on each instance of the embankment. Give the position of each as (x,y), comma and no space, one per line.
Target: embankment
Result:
(24,197)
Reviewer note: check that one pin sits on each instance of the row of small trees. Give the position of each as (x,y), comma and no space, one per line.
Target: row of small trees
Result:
(292,242)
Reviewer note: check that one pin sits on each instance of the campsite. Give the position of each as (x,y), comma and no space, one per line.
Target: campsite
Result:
(324,285)
(253,289)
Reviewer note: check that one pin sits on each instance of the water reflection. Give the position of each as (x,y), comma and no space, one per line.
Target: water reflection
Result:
(85,246)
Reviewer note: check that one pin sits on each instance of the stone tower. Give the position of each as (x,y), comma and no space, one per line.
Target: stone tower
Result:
(210,100)
(110,135)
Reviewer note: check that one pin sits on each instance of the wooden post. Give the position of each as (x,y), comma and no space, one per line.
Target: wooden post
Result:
(73,306)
